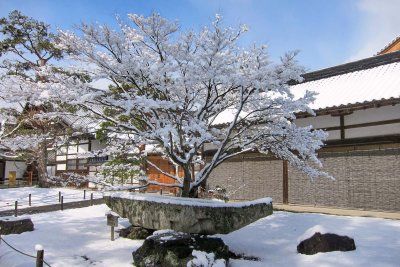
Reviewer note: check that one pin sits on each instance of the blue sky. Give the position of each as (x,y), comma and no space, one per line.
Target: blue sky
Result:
(327,33)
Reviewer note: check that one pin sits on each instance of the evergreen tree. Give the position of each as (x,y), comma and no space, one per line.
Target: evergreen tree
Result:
(26,47)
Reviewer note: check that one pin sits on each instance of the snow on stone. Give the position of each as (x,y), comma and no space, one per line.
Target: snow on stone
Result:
(187,201)
(168,237)
(110,212)
(204,259)
(168,234)
(13,218)
(164,231)
(38,247)
(315,229)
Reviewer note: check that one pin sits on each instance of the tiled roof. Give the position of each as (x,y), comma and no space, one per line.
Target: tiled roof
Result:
(81,122)
(366,80)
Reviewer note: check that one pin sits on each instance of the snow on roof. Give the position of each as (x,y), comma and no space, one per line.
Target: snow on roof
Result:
(82,122)
(224,117)
(187,201)
(379,82)
(366,80)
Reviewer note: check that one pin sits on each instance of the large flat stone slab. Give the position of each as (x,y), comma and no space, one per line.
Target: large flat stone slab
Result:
(188,215)
(15,225)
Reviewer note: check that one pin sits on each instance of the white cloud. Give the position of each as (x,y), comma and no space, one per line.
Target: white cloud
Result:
(379,25)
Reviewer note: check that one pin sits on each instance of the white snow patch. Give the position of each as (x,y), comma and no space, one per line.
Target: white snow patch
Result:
(311,231)
(168,237)
(204,259)
(165,232)
(110,212)
(74,237)
(38,247)
(41,196)
(161,232)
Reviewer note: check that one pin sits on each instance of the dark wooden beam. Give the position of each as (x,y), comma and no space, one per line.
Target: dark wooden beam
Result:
(384,139)
(285,187)
(342,129)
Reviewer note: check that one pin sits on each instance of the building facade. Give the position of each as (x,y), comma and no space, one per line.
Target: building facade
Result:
(359,106)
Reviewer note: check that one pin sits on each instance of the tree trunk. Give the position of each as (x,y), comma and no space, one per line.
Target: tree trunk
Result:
(42,164)
(186,181)
(194,193)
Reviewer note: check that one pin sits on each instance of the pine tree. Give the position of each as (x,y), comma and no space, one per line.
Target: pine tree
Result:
(26,47)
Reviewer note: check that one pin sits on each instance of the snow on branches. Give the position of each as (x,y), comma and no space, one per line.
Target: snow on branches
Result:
(27,47)
(182,90)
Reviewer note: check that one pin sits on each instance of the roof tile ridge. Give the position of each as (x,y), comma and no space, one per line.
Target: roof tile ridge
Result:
(363,64)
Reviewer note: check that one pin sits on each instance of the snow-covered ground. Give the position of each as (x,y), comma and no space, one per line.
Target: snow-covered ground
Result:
(76,237)
(80,237)
(274,239)
(40,196)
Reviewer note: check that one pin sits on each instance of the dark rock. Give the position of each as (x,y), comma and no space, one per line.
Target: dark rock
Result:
(15,226)
(124,232)
(174,249)
(241,256)
(135,232)
(325,243)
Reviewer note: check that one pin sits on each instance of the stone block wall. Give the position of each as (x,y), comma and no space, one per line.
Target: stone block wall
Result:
(367,180)
(363,180)
(249,176)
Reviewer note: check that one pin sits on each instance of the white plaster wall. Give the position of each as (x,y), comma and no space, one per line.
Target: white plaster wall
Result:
(319,121)
(333,135)
(18,166)
(373,131)
(83,148)
(373,115)
(61,167)
(51,170)
(73,148)
(357,117)
(61,158)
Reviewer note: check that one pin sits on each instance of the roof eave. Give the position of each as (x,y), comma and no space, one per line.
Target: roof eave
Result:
(350,108)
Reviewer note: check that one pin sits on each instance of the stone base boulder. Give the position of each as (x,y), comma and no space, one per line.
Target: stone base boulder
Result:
(15,226)
(325,243)
(188,215)
(172,249)
(135,232)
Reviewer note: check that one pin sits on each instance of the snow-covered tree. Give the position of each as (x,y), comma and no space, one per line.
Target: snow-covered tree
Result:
(124,165)
(178,91)
(26,45)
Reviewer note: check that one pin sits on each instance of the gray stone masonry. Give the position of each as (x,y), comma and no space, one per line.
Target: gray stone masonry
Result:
(203,218)
(368,180)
